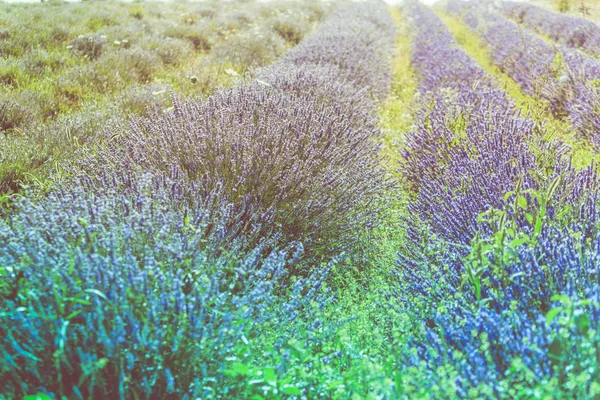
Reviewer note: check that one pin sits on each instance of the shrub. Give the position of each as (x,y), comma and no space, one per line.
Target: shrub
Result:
(11,72)
(100,19)
(199,36)
(308,162)
(40,62)
(485,272)
(139,64)
(21,158)
(12,115)
(563,5)
(140,98)
(270,151)
(290,27)
(250,48)
(328,84)
(136,11)
(154,310)
(570,30)
(500,313)
(61,33)
(70,88)
(563,76)
(82,127)
(172,51)
(88,46)
(338,40)
(236,20)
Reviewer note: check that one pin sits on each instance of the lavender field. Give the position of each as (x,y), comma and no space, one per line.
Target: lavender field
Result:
(298,199)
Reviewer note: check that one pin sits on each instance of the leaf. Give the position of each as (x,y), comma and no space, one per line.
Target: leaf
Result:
(39,396)
(583,323)
(237,369)
(80,301)
(74,314)
(529,218)
(295,348)
(522,202)
(269,376)
(291,390)
(552,314)
(563,298)
(553,187)
(335,384)
(501,221)
(96,292)
(538,227)
(519,241)
(519,184)
(555,351)
(101,363)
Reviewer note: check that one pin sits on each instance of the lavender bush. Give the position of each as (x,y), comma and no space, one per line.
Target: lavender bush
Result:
(519,245)
(470,146)
(564,77)
(173,248)
(311,164)
(149,288)
(572,31)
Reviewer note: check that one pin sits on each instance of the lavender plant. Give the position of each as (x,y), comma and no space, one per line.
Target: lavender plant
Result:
(564,77)
(311,164)
(61,59)
(169,251)
(487,294)
(470,145)
(150,287)
(572,31)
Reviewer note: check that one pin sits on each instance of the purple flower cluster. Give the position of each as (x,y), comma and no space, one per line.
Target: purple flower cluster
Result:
(572,31)
(298,143)
(482,341)
(565,77)
(143,275)
(469,147)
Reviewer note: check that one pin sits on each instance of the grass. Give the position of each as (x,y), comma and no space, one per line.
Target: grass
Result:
(396,111)
(532,106)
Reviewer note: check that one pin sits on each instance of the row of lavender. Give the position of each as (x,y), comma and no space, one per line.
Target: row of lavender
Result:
(145,275)
(470,146)
(516,229)
(572,31)
(565,77)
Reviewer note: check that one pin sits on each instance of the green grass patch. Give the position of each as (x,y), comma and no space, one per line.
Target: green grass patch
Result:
(397,110)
